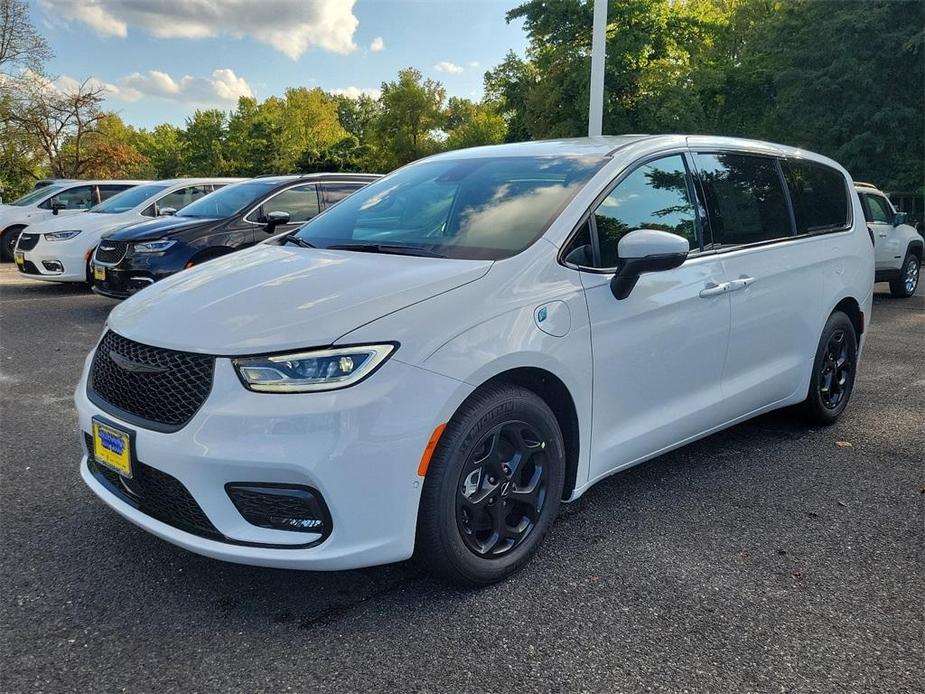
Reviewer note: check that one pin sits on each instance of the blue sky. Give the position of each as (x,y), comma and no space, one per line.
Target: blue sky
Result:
(162,60)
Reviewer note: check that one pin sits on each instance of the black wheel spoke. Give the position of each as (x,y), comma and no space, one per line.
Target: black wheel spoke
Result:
(835,370)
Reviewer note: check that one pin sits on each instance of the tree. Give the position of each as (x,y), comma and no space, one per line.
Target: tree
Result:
(21,46)
(112,151)
(204,144)
(412,109)
(163,148)
(471,125)
(508,86)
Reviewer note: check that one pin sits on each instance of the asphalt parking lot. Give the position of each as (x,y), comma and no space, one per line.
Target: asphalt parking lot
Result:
(770,557)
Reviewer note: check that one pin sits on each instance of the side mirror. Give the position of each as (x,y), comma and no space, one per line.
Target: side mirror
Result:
(57,205)
(166,211)
(646,250)
(900,218)
(274,219)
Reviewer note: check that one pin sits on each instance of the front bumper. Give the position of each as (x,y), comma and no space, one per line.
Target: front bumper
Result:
(61,261)
(135,272)
(358,447)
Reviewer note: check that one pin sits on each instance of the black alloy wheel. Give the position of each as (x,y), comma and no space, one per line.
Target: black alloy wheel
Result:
(834,370)
(502,489)
(493,486)
(837,370)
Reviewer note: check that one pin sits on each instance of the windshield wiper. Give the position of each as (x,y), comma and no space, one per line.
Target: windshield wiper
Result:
(297,241)
(385,248)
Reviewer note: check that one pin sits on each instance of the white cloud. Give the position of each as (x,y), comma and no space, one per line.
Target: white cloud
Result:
(377,45)
(473,63)
(357,92)
(451,68)
(222,88)
(290,26)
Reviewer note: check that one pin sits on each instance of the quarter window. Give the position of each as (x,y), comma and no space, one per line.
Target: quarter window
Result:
(744,198)
(300,202)
(880,212)
(819,195)
(657,195)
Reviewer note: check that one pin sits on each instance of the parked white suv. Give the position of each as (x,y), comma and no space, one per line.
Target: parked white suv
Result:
(899,246)
(440,359)
(59,198)
(59,249)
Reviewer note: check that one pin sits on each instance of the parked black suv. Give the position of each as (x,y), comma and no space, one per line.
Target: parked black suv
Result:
(235,217)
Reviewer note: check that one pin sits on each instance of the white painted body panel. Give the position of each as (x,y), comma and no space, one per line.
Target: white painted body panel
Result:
(647,374)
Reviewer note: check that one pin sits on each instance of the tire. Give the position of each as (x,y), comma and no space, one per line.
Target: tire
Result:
(833,379)
(905,285)
(470,491)
(8,242)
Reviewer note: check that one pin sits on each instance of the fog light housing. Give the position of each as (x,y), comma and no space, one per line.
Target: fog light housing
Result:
(53,266)
(281,507)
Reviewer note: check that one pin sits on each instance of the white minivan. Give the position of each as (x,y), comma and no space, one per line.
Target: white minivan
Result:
(438,361)
(59,249)
(58,198)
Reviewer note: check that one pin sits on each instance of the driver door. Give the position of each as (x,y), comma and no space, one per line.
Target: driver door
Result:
(879,216)
(657,354)
(300,202)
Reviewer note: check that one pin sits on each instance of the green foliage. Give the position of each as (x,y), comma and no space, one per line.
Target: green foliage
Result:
(412,110)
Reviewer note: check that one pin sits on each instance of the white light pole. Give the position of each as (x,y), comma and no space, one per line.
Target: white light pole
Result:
(598,50)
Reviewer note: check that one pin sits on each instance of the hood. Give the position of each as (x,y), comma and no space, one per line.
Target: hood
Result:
(99,223)
(273,298)
(14,214)
(159,228)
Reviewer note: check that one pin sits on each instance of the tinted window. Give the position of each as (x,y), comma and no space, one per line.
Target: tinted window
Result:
(744,198)
(35,196)
(78,198)
(880,212)
(580,251)
(487,208)
(107,191)
(819,195)
(230,199)
(300,202)
(128,199)
(182,197)
(335,192)
(654,196)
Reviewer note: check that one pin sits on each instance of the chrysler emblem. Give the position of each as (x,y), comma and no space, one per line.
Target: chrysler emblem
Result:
(134,366)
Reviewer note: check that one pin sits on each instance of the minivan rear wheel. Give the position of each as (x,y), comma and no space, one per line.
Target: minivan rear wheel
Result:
(904,286)
(493,486)
(834,370)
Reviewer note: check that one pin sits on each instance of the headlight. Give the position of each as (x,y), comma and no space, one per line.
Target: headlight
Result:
(153,246)
(61,235)
(326,369)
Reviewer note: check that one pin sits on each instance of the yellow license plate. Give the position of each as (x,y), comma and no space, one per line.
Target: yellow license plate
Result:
(20,258)
(99,273)
(113,448)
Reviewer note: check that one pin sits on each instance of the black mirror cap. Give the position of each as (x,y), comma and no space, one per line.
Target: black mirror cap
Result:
(630,269)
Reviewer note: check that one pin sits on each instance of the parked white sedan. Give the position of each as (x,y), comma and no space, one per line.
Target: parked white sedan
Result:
(59,249)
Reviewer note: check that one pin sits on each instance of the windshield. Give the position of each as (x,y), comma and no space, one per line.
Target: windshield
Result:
(128,199)
(229,200)
(36,195)
(489,208)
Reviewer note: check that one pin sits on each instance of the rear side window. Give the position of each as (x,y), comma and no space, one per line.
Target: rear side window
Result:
(300,202)
(819,195)
(108,190)
(744,198)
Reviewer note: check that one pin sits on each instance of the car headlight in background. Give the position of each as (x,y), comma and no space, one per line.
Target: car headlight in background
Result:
(153,246)
(61,235)
(303,372)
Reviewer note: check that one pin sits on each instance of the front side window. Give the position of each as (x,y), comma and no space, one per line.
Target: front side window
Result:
(182,197)
(744,198)
(819,195)
(880,212)
(128,199)
(482,208)
(77,198)
(654,196)
(300,202)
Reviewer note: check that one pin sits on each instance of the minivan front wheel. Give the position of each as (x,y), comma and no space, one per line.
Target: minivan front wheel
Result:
(493,486)
(834,370)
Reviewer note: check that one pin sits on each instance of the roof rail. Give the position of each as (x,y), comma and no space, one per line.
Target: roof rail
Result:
(865,185)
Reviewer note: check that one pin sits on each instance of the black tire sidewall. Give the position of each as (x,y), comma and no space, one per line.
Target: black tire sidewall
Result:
(8,242)
(441,543)
(819,412)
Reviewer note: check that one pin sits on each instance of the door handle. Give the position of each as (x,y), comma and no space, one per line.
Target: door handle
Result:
(882,234)
(714,289)
(741,283)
